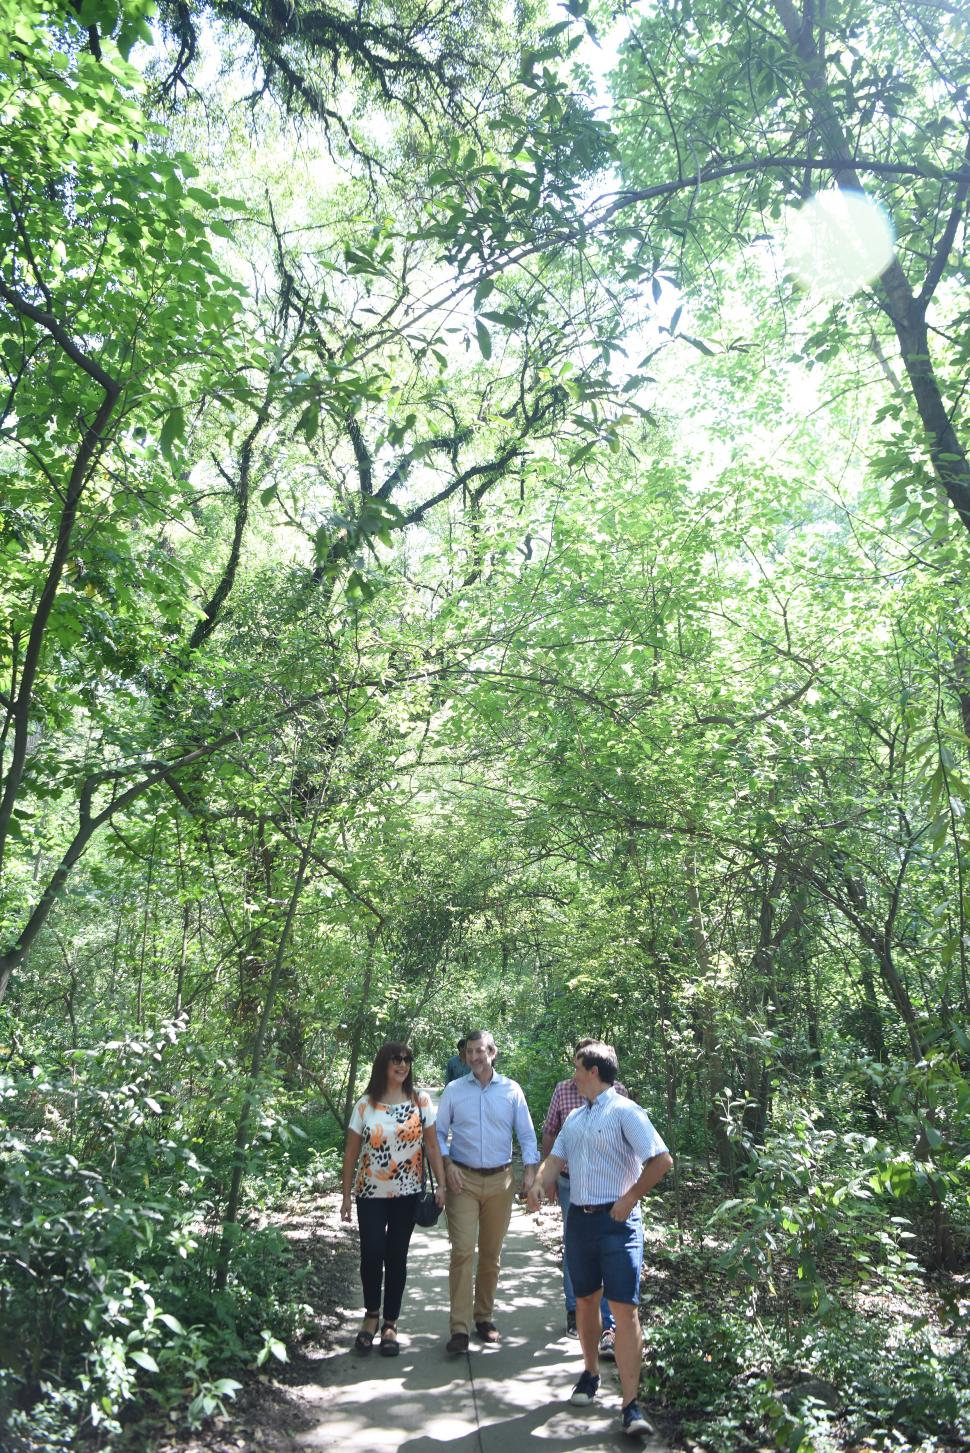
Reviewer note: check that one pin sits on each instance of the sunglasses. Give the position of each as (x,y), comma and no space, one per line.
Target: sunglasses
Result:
(401,1059)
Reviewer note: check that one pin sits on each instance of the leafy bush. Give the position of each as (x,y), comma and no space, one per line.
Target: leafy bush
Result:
(899,1380)
(691,1356)
(736,1382)
(813,1214)
(107,1249)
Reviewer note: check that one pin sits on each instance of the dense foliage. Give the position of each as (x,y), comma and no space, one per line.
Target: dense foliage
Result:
(454,573)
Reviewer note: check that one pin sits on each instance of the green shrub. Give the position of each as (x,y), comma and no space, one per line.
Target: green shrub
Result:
(692,1357)
(729,1377)
(816,1212)
(107,1248)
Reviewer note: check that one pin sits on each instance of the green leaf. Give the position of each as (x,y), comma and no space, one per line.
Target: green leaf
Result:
(582,453)
(699,345)
(506,319)
(173,429)
(309,421)
(484,338)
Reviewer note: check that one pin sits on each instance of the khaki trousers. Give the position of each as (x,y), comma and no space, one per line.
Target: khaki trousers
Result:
(479,1213)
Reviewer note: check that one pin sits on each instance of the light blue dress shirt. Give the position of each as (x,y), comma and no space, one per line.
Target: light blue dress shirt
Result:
(480,1121)
(606,1142)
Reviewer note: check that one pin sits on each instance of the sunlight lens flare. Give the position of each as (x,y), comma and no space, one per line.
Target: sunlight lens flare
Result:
(838,242)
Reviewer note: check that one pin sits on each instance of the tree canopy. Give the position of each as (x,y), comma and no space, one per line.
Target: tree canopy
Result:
(455,571)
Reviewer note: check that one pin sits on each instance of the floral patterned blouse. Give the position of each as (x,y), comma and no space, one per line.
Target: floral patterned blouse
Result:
(392,1153)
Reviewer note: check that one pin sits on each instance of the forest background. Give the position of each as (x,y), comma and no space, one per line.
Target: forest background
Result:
(454,573)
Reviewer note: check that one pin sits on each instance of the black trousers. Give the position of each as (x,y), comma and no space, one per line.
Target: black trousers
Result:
(385,1225)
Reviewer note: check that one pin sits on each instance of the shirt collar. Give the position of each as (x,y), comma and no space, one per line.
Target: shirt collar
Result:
(602,1098)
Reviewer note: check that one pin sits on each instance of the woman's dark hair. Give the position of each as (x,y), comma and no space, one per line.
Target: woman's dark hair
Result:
(377,1084)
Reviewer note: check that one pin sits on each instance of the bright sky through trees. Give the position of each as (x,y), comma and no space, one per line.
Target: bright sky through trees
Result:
(838,242)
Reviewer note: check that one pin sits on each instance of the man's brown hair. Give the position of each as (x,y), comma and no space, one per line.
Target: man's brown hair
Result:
(595,1054)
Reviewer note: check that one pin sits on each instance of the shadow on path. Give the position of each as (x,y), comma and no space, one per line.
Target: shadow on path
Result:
(494,1399)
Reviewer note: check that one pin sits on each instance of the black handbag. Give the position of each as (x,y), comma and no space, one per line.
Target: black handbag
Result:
(426,1210)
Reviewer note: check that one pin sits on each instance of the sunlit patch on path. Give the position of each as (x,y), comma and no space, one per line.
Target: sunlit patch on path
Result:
(494,1400)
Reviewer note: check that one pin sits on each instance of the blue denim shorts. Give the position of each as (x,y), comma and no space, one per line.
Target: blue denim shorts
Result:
(601,1252)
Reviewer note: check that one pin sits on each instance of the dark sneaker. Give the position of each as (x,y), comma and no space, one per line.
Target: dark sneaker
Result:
(634,1422)
(571,1330)
(488,1331)
(585,1390)
(608,1345)
(457,1342)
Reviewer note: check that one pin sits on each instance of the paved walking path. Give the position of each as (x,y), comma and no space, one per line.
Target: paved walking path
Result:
(493,1400)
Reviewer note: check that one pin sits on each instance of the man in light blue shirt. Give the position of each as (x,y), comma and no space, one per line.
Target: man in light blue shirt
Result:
(615,1157)
(477,1117)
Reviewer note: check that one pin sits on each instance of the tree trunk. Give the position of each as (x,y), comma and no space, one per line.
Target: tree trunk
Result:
(358,1029)
(905,310)
(717,1080)
(241,1145)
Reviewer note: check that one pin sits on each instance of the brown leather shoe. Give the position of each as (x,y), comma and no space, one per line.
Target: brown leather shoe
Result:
(488,1331)
(457,1342)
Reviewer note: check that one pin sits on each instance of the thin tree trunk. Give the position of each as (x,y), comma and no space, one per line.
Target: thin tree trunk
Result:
(183,957)
(905,310)
(140,988)
(358,1030)
(256,1063)
(717,1080)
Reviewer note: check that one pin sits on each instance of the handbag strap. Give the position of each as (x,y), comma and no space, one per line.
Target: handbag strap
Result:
(426,1172)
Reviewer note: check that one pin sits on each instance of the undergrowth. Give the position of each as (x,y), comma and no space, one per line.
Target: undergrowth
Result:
(110,1231)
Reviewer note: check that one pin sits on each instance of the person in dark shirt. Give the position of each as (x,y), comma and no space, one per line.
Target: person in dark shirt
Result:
(456,1066)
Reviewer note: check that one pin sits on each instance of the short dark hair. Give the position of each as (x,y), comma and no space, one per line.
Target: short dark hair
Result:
(597,1055)
(461,1045)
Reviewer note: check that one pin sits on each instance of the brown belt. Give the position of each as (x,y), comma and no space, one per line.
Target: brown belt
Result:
(481,1170)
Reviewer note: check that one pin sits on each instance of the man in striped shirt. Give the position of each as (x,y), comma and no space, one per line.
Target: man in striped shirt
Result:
(565,1099)
(615,1157)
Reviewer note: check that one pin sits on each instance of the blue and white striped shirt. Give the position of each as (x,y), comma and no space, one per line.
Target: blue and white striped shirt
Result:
(606,1142)
(481,1121)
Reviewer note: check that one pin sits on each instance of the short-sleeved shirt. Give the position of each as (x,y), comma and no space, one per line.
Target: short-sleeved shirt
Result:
(565,1099)
(392,1152)
(606,1142)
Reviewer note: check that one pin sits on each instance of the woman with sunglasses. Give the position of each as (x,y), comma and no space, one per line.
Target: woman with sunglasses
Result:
(391,1130)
